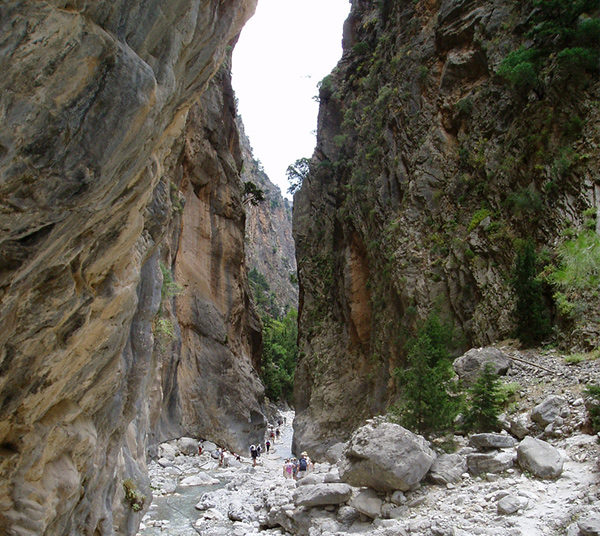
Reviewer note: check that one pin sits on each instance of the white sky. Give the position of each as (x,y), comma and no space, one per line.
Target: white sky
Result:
(284,50)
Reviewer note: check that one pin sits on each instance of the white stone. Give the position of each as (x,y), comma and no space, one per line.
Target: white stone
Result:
(367,502)
(540,458)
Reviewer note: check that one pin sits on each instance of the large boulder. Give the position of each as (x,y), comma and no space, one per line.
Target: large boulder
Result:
(322,494)
(471,364)
(548,411)
(539,458)
(385,457)
(188,446)
(448,469)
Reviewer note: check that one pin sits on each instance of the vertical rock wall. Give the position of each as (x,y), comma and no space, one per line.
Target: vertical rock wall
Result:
(428,171)
(92,97)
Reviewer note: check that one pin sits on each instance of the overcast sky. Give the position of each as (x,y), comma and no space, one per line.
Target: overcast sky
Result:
(284,50)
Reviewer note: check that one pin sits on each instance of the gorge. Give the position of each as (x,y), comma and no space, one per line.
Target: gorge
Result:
(126,312)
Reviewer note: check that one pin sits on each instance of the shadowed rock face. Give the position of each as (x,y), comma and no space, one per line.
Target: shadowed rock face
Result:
(92,97)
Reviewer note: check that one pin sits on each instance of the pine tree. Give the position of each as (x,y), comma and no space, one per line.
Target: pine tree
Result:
(485,402)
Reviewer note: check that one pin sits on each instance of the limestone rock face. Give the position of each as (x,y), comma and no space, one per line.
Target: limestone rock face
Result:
(92,97)
(413,203)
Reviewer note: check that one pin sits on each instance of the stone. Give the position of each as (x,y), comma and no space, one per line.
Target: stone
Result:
(188,446)
(310,479)
(510,504)
(448,468)
(332,476)
(347,515)
(367,502)
(209,446)
(547,411)
(519,425)
(201,479)
(393,511)
(471,364)
(322,494)
(590,526)
(540,458)
(385,457)
(492,441)
(167,451)
(493,462)
(398,497)
(335,452)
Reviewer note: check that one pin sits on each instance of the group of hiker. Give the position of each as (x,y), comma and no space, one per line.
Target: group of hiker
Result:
(296,468)
(273,435)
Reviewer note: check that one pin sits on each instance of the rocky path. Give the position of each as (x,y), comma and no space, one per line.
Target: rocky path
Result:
(196,496)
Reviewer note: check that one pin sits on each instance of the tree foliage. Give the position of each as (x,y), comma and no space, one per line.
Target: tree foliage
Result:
(484,402)
(532,319)
(428,400)
(280,353)
(296,173)
(252,194)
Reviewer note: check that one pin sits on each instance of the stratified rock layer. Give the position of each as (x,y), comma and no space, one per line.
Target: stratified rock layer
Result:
(429,172)
(92,96)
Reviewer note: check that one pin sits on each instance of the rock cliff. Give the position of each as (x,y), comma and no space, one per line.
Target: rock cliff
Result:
(92,99)
(270,249)
(430,169)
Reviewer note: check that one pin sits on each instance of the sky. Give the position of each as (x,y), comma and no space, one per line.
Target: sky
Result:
(284,50)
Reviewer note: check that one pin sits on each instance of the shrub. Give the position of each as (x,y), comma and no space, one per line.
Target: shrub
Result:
(133,497)
(485,400)
(593,406)
(573,61)
(521,68)
(169,287)
(532,319)
(477,218)
(579,262)
(360,48)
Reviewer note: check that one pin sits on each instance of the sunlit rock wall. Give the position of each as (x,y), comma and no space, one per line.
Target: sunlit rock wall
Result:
(92,97)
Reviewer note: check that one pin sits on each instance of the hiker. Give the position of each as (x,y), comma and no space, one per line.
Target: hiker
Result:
(287,468)
(294,468)
(279,422)
(302,465)
(258,450)
(272,435)
(253,454)
(268,445)
(277,433)
(221,457)
(199,449)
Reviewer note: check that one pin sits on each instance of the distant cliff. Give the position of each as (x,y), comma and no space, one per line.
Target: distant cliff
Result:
(270,251)
(94,97)
(442,148)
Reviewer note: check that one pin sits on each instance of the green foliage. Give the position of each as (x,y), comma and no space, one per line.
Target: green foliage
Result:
(261,292)
(477,218)
(252,194)
(296,173)
(464,106)
(428,401)
(361,48)
(525,201)
(532,319)
(280,353)
(484,402)
(579,262)
(521,68)
(565,308)
(169,287)
(593,406)
(133,497)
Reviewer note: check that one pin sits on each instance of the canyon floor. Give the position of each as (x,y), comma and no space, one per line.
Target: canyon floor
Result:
(243,500)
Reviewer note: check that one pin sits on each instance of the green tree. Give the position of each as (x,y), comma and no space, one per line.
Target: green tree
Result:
(533,323)
(428,400)
(484,402)
(593,406)
(280,353)
(252,194)
(296,173)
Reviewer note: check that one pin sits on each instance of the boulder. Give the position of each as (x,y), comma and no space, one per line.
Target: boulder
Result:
(539,458)
(385,457)
(519,425)
(367,502)
(447,469)
(471,364)
(398,497)
(493,462)
(168,451)
(590,526)
(188,446)
(310,479)
(335,452)
(548,411)
(201,479)
(510,504)
(492,441)
(322,494)
(332,476)
(347,515)
(209,446)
